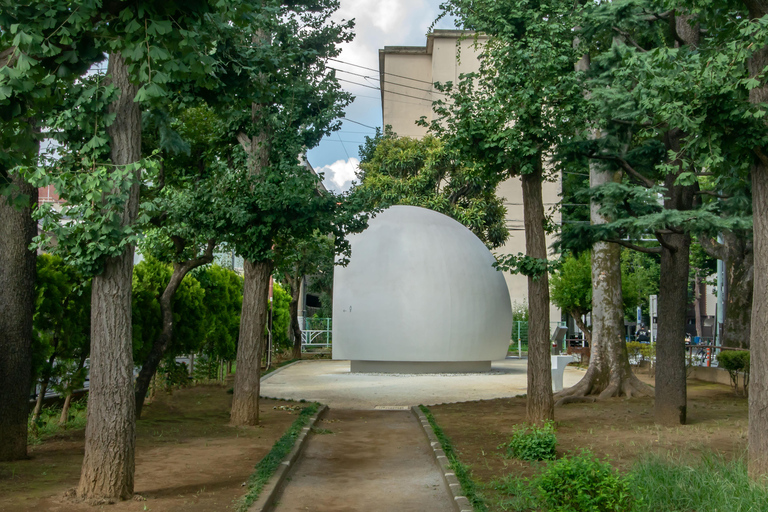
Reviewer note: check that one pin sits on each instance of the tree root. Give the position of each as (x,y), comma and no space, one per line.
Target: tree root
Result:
(630,386)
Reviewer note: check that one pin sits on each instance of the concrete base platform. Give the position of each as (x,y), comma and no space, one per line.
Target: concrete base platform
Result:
(332,383)
(419,367)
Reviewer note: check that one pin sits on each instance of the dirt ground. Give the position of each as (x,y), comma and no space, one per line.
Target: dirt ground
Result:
(187,458)
(618,430)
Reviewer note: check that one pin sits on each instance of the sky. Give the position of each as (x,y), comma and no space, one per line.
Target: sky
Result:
(378,23)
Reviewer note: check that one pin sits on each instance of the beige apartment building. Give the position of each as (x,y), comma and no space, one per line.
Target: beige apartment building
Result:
(406,75)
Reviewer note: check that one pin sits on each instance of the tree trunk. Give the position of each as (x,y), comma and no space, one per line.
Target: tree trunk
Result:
(110,435)
(295,284)
(164,339)
(43,390)
(697,304)
(68,399)
(540,404)
(44,380)
(758,387)
(582,326)
(609,373)
(670,404)
(739,278)
(65,409)
(17,306)
(250,348)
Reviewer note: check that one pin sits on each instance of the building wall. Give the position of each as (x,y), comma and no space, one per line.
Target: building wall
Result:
(443,59)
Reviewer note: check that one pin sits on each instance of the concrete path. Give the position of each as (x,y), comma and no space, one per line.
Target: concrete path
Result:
(331,383)
(368,461)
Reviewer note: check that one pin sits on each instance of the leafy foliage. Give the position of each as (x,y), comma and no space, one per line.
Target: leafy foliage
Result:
(582,483)
(735,362)
(421,172)
(533,442)
(149,280)
(62,321)
(222,302)
(281,318)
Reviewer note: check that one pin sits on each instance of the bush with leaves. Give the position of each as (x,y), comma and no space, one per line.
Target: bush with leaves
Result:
(533,443)
(582,483)
(223,301)
(281,318)
(735,362)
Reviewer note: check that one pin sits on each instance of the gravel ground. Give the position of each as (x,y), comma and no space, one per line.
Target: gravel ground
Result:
(331,383)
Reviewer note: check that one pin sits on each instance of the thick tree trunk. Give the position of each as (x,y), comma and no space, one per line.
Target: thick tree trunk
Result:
(670,404)
(738,301)
(164,339)
(540,404)
(671,392)
(758,387)
(609,373)
(110,435)
(295,284)
(250,348)
(17,306)
(736,252)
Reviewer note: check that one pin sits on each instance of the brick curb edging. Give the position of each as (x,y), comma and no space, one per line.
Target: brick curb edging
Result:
(461,503)
(273,486)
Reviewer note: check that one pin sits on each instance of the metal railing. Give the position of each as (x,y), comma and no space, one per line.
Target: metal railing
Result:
(316,332)
(519,339)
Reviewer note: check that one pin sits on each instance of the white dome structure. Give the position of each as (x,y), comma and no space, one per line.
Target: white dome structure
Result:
(420,295)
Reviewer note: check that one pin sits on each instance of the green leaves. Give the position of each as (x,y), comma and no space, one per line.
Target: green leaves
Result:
(423,173)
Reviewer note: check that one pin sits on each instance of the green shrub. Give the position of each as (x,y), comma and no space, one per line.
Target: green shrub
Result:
(533,443)
(735,362)
(582,483)
(174,374)
(635,350)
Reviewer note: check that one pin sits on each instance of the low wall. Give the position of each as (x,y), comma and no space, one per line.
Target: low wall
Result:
(717,375)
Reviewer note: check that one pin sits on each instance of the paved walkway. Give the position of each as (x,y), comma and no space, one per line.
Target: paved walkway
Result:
(367,461)
(331,383)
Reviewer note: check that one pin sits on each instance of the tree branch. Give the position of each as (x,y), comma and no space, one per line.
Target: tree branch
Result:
(646,182)
(712,247)
(711,193)
(244,141)
(660,238)
(629,39)
(639,248)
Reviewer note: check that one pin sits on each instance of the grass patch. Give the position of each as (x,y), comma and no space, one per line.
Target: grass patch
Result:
(47,425)
(267,466)
(468,486)
(708,484)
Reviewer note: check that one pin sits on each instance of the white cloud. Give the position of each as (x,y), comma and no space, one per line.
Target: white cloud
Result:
(339,175)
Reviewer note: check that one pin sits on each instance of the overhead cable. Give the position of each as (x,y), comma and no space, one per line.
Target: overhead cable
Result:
(377,71)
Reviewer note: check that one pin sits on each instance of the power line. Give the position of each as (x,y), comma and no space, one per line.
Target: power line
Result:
(378,89)
(377,71)
(388,82)
(361,124)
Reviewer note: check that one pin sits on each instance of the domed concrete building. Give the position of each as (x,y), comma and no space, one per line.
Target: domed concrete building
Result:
(420,295)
